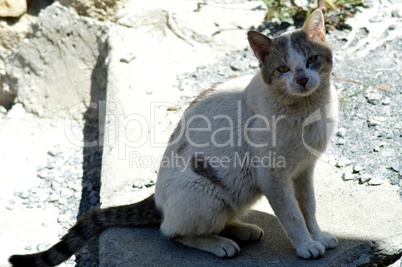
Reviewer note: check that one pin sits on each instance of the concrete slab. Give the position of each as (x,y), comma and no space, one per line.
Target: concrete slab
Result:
(365,219)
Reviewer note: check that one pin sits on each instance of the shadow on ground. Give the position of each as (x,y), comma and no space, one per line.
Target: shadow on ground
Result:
(92,153)
(147,247)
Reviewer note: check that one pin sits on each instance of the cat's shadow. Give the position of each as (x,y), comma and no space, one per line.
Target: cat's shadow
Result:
(148,247)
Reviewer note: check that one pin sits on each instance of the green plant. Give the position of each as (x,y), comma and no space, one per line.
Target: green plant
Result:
(335,10)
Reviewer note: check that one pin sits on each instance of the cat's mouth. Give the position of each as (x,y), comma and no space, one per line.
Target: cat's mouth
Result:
(303,91)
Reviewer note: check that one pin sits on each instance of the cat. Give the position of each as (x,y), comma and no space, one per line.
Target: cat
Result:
(236,145)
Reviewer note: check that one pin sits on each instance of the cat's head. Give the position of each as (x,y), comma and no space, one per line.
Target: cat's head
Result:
(295,63)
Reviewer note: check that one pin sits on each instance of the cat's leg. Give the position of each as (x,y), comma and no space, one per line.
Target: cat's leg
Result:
(278,188)
(304,192)
(244,231)
(218,245)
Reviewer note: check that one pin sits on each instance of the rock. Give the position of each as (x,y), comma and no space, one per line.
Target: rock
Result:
(42,246)
(342,163)
(374,121)
(364,178)
(376,149)
(382,144)
(65,71)
(253,64)
(128,57)
(62,202)
(376,181)
(386,101)
(347,176)
(358,168)
(97,9)
(13,8)
(66,193)
(17,111)
(42,196)
(341,132)
(54,151)
(340,141)
(397,12)
(374,98)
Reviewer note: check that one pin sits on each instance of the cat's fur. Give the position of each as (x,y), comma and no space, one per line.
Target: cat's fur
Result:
(220,140)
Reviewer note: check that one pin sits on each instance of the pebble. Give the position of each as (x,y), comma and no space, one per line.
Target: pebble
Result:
(341,132)
(66,193)
(253,64)
(42,247)
(364,178)
(340,141)
(54,151)
(62,202)
(342,163)
(50,163)
(374,121)
(358,168)
(376,181)
(386,101)
(42,196)
(347,176)
(374,98)
(127,58)
(235,67)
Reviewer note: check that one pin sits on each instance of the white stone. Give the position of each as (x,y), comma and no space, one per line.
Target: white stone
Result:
(12,8)
(60,76)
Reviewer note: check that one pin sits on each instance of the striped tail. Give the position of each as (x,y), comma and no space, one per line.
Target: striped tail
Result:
(90,225)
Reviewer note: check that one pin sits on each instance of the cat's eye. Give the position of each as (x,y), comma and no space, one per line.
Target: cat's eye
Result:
(283,69)
(312,60)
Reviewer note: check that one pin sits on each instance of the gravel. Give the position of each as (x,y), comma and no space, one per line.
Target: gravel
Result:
(67,179)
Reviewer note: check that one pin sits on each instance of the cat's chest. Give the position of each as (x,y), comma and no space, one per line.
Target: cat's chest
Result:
(301,135)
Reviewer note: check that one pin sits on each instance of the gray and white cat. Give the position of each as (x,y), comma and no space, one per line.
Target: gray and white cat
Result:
(233,146)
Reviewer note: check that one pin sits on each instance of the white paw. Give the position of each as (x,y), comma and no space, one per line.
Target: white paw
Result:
(310,250)
(226,248)
(327,240)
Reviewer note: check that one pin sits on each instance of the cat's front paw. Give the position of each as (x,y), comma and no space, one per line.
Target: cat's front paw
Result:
(327,240)
(226,248)
(311,250)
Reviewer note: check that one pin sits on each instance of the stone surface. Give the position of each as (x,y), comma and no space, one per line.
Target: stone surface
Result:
(54,70)
(343,209)
(13,8)
(11,36)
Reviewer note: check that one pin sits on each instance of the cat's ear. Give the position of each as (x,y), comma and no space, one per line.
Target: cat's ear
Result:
(260,44)
(314,26)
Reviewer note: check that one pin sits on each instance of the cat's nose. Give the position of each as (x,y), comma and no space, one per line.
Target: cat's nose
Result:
(302,81)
